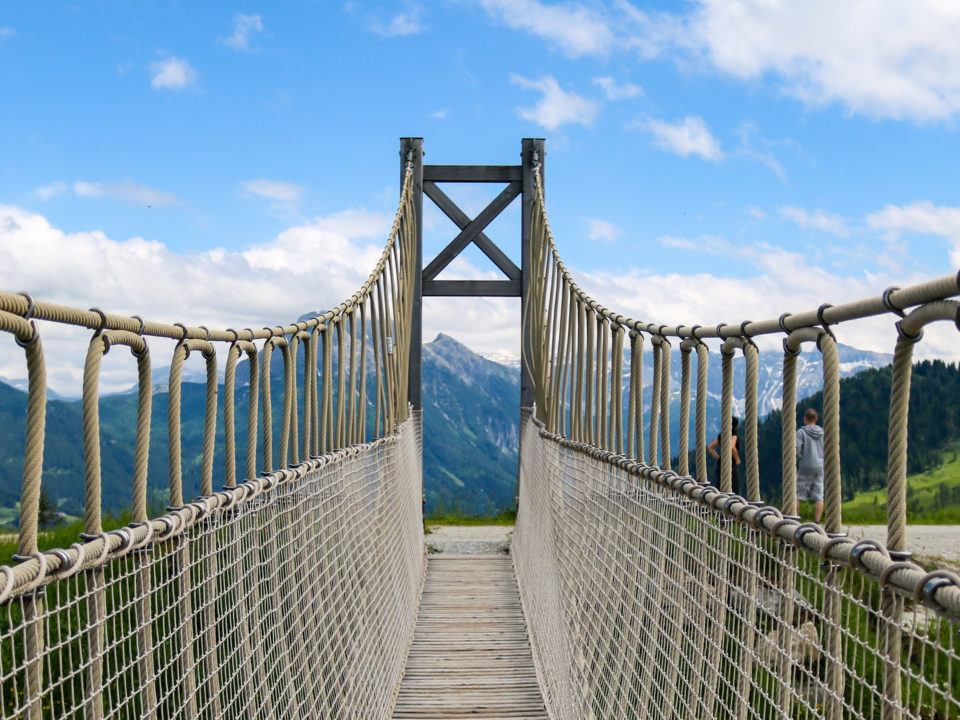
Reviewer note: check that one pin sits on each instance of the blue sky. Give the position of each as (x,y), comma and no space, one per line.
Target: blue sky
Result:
(708,160)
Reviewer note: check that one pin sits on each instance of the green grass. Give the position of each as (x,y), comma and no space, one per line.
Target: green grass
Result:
(507,517)
(62,536)
(933,497)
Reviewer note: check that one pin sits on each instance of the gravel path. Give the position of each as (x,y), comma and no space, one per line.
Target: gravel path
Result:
(470,539)
(932,542)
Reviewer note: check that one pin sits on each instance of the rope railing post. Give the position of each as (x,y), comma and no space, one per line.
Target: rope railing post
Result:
(909,332)
(665,453)
(726,420)
(683,433)
(635,403)
(703,359)
(616,390)
(655,397)
(27,336)
(93,527)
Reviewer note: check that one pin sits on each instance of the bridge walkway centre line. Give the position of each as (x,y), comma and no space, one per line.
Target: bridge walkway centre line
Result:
(470,656)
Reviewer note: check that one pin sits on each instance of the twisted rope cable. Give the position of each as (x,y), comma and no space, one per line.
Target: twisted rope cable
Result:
(683,439)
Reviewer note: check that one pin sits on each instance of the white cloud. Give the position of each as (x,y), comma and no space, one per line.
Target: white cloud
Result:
(320,262)
(440,114)
(614,91)
(171,74)
(770,280)
(125,190)
(558,106)
(6,32)
(400,25)
(747,131)
(310,266)
(817,219)
(884,59)
(689,136)
(922,217)
(244,28)
(48,191)
(756,212)
(602,231)
(574,29)
(285,195)
(274,189)
(710,244)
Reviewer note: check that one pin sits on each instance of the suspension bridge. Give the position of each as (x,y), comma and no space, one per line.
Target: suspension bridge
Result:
(297,585)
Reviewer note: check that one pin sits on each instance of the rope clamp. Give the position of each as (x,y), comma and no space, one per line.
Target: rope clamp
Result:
(931,582)
(888,303)
(103,320)
(33,338)
(31,305)
(856,561)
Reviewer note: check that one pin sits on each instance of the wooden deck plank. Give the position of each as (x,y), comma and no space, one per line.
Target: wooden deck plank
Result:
(470,656)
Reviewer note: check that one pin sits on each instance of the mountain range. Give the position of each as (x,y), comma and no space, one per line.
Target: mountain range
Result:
(470,418)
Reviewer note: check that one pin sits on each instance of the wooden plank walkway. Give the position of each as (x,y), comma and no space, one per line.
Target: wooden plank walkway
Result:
(470,656)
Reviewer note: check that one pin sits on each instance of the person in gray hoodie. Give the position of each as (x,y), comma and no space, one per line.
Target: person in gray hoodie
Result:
(810,463)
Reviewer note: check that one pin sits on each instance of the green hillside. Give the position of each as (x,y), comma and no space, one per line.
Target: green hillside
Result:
(864,407)
(933,497)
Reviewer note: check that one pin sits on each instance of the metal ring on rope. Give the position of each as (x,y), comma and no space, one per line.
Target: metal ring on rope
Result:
(884,578)
(757,520)
(888,303)
(33,338)
(856,562)
(103,320)
(804,529)
(838,540)
(931,582)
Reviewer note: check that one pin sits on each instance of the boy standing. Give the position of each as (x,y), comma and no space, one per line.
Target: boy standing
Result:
(810,465)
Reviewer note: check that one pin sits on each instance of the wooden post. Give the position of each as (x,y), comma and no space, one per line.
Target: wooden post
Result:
(411,150)
(532,154)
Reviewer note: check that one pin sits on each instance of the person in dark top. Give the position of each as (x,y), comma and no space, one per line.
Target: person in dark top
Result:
(714,449)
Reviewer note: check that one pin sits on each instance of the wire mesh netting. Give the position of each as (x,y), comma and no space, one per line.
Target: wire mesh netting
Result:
(293,595)
(646,602)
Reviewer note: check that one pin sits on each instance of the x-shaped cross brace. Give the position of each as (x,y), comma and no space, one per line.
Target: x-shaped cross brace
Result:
(472,231)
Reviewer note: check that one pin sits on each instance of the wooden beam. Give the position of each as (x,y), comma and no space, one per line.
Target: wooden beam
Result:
(462,220)
(471,288)
(471,231)
(472,173)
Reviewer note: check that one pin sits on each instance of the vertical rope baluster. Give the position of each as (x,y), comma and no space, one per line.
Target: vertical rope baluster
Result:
(655,398)
(749,446)
(726,418)
(665,454)
(559,374)
(635,403)
(314,397)
(589,378)
(616,389)
(683,432)
(353,421)
(288,430)
(703,359)
(576,409)
(833,499)
(362,400)
(341,439)
(603,330)
(182,551)
(28,337)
